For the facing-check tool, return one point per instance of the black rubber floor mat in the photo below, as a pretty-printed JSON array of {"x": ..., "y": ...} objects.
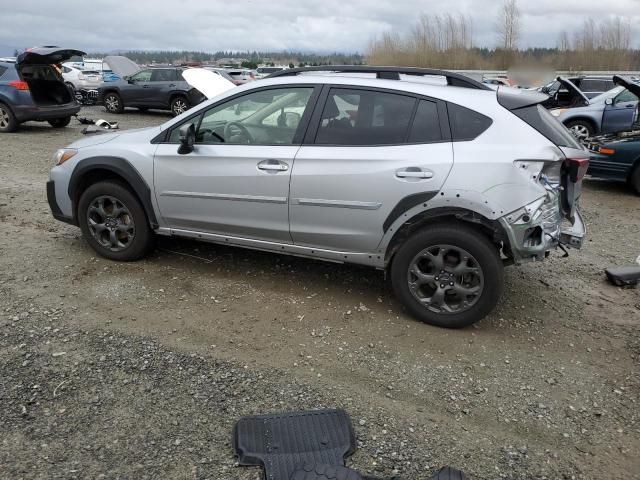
[
  {"x": 283, "y": 443},
  {"x": 325, "y": 472}
]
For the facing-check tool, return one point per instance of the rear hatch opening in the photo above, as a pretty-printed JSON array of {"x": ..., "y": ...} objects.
[{"x": 46, "y": 85}]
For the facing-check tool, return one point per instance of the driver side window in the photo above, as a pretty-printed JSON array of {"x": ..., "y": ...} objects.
[
  {"x": 266, "y": 117},
  {"x": 625, "y": 96},
  {"x": 143, "y": 76}
]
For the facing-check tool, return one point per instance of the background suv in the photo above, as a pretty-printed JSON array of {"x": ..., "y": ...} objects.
[
  {"x": 430, "y": 175},
  {"x": 32, "y": 89},
  {"x": 159, "y": 88}
]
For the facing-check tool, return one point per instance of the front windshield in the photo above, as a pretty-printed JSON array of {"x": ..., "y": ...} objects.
[{"x": 609, "y": 94}]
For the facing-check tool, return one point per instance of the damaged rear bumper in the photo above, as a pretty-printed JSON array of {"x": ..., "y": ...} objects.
[{"x": 536, "y": 229}]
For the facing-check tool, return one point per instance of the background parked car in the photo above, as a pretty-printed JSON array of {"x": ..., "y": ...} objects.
[
  {"x": 589, "y": 86},
  {"x": 222, "y": 72},
  {"x": 240, "y": 77},
  {"x": 263, "y": 72},
  {"x": 612, "y": 111},
  {"x": 79, "y": 78},
  {"x": 159, "y": 88},
  {"x": 33, "y": 90},
  {"x": 616, "y": 157}
]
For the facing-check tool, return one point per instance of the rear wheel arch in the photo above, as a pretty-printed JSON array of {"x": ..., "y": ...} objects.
[
  {"x": 96, "y": 169},
  {"x": 490, "y": 229},
  {"x": 586, "y": 120}
]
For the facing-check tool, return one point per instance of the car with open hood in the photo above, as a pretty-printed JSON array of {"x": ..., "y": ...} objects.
[
  {"x": 161, "y": 88},
  {"x": 33, "y": 89},
  {"x": 612, "y": 111},
  {"x": 429, "y": 175}
]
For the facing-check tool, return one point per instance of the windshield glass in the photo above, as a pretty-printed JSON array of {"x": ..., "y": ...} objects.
[{"x": 603, "y": 96}]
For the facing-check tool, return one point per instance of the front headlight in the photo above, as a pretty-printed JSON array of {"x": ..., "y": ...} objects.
[
  {"x": 557, "y": 112},
  {"x": 63, "y": 155}
]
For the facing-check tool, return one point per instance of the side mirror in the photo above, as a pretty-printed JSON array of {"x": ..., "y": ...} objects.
[
  {"x": 608, "y": 101},
  {"x": 187, "y": 139},
  {"x": 130, "y": 80},
  {"x": 545, "y": 89}
]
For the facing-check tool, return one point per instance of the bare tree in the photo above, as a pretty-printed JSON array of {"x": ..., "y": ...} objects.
[
  {"x": 564, "y": 45},
  {"x": 508, "y": 26}
]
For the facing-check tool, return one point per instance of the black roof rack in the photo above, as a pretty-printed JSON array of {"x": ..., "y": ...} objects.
[{"x": 388, "y": 73}]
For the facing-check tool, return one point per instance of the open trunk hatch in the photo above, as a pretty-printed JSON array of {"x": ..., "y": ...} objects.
[
  {"x": 47, "y": 55},
  {"x": 627, "y": 83}
]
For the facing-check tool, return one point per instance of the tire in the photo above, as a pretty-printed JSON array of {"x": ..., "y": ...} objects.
[
  {"x": 581, "y": 129},
  {"x": 8, "y": 122},
  {"x": 60, "y": 122},
  {"x": 634, "y": 179},
  {"x": 125, "y": 236},
  {"x": 425, "y": 280},
  {"x": 113, "y": 103},
  {"x": 179, "y": 105},
  {"x": 70, "y": 86},
  {"x": 448, "y": 473}
]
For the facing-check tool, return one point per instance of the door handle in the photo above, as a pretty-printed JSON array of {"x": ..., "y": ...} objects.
[
  {"x": 413, "y": 172},
  {"x": 172, "y": 84},
  {"x": 273, "y": 166}
]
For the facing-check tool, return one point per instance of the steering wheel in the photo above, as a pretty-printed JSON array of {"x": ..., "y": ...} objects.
[{"x": 236, "y": 128}]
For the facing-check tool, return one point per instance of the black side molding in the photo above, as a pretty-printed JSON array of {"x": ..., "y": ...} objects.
[
  {"x": 407, "y": 203},
  {"x": 120, "y": 167}
]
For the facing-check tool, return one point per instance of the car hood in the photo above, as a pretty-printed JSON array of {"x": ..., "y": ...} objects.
[
  {"x": 47, "y": 55},
  {"x": 107, "y": 136},
  {"x": 209, "y": 83},
  {"x": 627, "y": 83},
  {"x": 569, "y": 85},
  {"x": 121, "y": 66}
]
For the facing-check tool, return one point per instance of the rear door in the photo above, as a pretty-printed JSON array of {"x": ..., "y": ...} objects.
[{"x": 368, "y": 156}]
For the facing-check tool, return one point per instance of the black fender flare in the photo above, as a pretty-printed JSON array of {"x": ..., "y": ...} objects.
[{"x": 120, "y": 167}]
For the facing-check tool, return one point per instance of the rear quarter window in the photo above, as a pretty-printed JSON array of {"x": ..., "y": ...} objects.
[
  {"x": 540, "y": 119},
  {"x": 466, "y": 124},
  {"x": 2, "y": 71}
]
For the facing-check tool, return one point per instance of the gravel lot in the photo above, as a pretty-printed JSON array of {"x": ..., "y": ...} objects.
[{"x": 127, "y": 371}]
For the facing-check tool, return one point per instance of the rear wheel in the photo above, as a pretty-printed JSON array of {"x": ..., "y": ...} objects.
[
  {"x": 448, "y": 275},
  {"x": 113, "y": 103},
  {"x": 179, "y": 105},
  {"x": 8, "y": 122},
  {"x": 634, "y": 179},
  {"x": 113, "y": 222},
  {"x": 60, "y": 122},
  {"x": 581, "y": 129}
]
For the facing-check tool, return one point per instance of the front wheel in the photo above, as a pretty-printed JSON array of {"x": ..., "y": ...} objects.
[
  {"x": 179, "y": 105},
  {"x": 113, "y": 222},
  {"x": 113, "y": 103},
  {"x": 448, "y": 275},
  {"x": 60, "y": 122},
  {"x": 581, "y": 129}
]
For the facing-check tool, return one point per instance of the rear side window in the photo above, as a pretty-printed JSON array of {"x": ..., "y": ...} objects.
[
  {"x": 466, "y": 124},
  {"x": 363, "y": 117},
  {"x": 539, "y": 118},
  {"x": 588, "y": 85},
  {"x": 163, "y": 75},
  {"x": 2, "y": 70},
  {"x": 426, "y": 124}
]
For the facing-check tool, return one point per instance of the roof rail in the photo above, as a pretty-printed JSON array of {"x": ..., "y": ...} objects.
[{"x": 388, "y": 73}]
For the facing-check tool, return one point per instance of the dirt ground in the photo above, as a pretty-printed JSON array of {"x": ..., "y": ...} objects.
[{"x": 126, "y": 371}]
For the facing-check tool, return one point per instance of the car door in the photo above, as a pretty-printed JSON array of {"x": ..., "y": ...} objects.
[
  {"x": 620, "y": 113},
  {"x": 236, "y": 180},
  {"x": 132, "y": 90},
  {"x": 162, "y": 82},
  {"x": 369, "y": 155}
]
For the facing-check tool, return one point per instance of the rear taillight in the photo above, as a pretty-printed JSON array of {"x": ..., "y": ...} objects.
[
  {"x": 576, "y": 168},
  {"x": 81, "y": 76},
  {"x": 19, "y": 85}
]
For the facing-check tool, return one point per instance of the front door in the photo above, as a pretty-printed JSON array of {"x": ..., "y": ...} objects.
[
  {"x": 134, "y": 90},
  {"x": 236, "y": 181},
  {"x": 375, "y": 155},
  {"x": 621, "y": 114}
]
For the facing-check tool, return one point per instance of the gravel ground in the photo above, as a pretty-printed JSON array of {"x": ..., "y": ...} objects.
[{"x": 126, "y": 371}]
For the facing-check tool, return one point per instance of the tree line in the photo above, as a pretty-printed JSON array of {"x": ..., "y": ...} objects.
[{"x": 446, "y": 41}]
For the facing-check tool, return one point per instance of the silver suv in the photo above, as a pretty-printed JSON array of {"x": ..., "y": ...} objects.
[{"x": 428, "y": 175}]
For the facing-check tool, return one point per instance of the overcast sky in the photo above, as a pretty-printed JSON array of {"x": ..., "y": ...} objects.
[{"x": 315, "y": 25}]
